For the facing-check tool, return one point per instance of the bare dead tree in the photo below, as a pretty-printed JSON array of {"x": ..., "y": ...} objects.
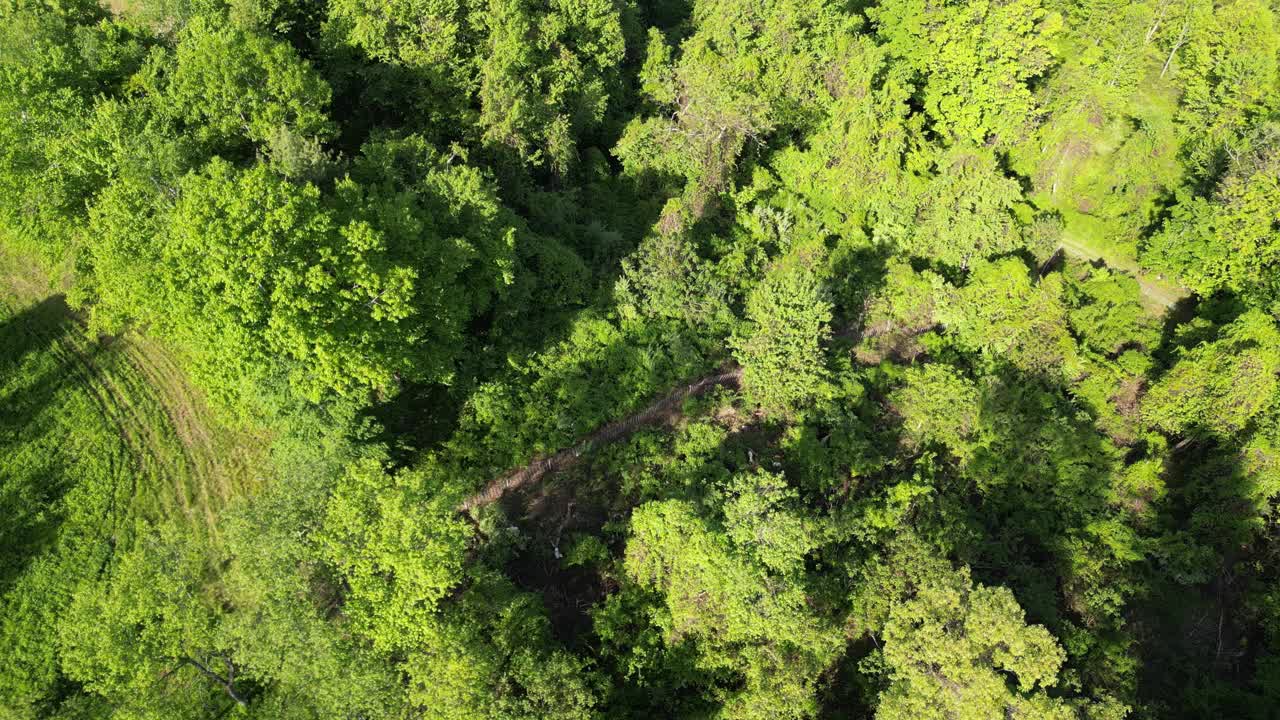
[
  {"x": 1182, "y": 39},
  {"x": 226, "y": 683}
]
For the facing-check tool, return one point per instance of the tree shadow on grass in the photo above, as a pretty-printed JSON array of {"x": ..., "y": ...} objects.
[
  {"x": 32, "y": 480},
  {"x": 33, "y": 329}
]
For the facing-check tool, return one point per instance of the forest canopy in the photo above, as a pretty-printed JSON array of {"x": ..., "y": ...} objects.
[{"x": 576, "y": 359}]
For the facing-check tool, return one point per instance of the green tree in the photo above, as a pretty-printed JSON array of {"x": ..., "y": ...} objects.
[
  {"x": 781, "y": 344},
  {"x": 357, "y": 290},
  {"x": 746, "y": 620},
  {"x": 968, "y": 211},
  {"x": 664, "y": 278},
  {"x": 955, "y": 648},
  {"x": 1229, "y": 73},
  {"x": 230, "y": 86},
  {"x": 548, "y": 76},
  {"x": 1107, "y": 313},
  {"x": 855, "y": 164},
  {"x": 438, "y": 40},
  {"x": 1229, "y": 242},
  {"x": 531, "y": 77},
  {"x": 491, "y": 655},
  {"x": 146, "y": 639},
  {"x": 54, "y": 61},
  {"x": 285, "y": 629},
  {"x": 1105, "y": 152},
  {"x": 1002, "y": 313},
  {"x": 763, "y": 516},
  {"x": 974, "y": 61},
  {"x": 899, "y": 313},
  {"x": 727, "y": 88},
  {"x": 1217, "y": 387},
  {"x": 938, "y": 404},
  {"x": 399, "y": 546}
]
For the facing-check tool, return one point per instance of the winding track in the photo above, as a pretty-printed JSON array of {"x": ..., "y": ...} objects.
[
  {"x": 1159, "y": 295},
  {"x": 664, "y": 410}
]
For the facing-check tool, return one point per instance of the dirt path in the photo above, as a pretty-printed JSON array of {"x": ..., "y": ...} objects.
[
  {"x": 664, "y": 410},
  {"x": 1160, "y": 295}
]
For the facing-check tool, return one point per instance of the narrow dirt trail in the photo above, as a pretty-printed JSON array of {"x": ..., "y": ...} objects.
[
  {"x": 1159, "y": 294},
  {"x": 664, "y": 410}
]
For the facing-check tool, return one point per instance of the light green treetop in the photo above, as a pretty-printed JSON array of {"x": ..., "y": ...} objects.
[
  {"x": 1004, "y": 314},
  {"x": 744, "y": 618},
  {"x": 938, "y": 404},
  {"x": 780, "y": 345},
  {"x": 1217, "y": 387},
  {"x": 968, "y": 211},
  {"x": 953, "y": 648},
  {"x": 1231, "y": 241},
  {"x": 232, "y": 85},
  {"x": 975, "y": 59}
]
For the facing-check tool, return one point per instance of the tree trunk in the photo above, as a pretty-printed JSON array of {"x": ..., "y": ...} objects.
[{"x": 1182, "y": 39}]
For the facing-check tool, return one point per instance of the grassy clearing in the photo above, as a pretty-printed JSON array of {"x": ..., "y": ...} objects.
[
  {"x": 1088, "y": 238},
  {"x": 65, "y": 458},
  {"x": 76, "y": 472},
  {"x": 118, "y": 7},
  {"x": 60, "y": 386},
  {"x": 99, "y": 439}
]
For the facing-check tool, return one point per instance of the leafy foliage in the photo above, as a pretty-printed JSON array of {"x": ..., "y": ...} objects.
[
  {"x": 953, "y": 648},
  {"x": 1229, "y": 243},
  {"x": 1218, "y": 387},
  {"x": 787, "y": 320},
  {"x": 744, "y": 618},
  {"x": 976, "y": 59},
  {"x": 596, "y": 359}
]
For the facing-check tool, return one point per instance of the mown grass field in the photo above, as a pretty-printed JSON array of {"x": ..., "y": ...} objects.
[
  {"x": 114, "y": 411},
  {"x": 99, "y": 438}
]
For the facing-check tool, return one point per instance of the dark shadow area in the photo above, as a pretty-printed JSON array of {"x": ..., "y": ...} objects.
[
  {"x": 1042, "y": 477},
  {"x": 1199, "y": 634},
  {"x": 669, "y": 16},
  {"x": 856, "y": 276},
  {"x": 373, "y": 96},
  {"x": 1178, "y": 333},
  {"x": 32, "y": 330},
  {"x": 420, "y": 416},
  {"x": 551, "y": 516},
  {"x": 595, "y": 500},
  {"x": 570, "y": 249},
  {"x": 31, "y": 485}
]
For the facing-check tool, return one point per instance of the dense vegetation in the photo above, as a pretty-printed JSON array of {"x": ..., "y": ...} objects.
[{"x": 610, "y": 359}]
